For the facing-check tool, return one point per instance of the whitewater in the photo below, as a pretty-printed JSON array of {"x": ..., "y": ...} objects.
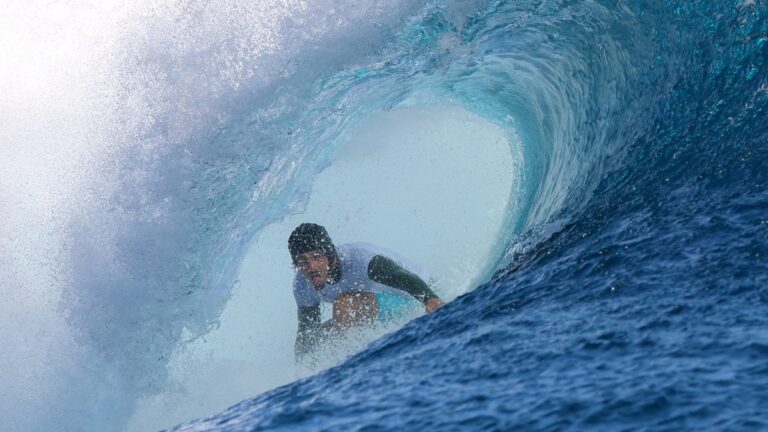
[{"x": 585, "y": 181}]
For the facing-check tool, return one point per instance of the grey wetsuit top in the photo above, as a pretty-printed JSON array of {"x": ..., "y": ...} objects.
[{"x": 354, "y": 259}]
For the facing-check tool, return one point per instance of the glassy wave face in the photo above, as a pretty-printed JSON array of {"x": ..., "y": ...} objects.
[{"x": 632, "y": 291}]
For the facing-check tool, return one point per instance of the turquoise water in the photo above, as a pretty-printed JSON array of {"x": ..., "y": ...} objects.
[{"x": 393, "y": 307}]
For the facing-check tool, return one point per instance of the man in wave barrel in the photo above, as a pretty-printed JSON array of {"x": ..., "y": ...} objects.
[{"x": 354, "y": 277}]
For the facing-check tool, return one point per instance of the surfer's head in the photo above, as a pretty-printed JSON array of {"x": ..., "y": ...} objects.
[{"x": 312, "y": 252}]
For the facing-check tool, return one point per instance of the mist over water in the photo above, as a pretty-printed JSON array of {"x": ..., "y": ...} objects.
[{"x": 391, "y": 184}]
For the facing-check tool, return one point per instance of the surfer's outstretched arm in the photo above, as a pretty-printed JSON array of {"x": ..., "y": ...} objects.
[{"x": 385, "y": 271}]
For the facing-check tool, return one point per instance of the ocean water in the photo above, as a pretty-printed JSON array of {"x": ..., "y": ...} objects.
[{"x": 586, "y": 181}]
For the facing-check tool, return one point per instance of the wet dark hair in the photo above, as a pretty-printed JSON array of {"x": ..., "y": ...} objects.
[{"x": 309, "y": 237}]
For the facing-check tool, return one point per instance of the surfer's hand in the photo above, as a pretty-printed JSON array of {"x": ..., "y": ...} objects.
[{"x": 433, "y": 304}]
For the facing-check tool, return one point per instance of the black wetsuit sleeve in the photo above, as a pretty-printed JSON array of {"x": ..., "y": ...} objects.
[
  {"x": 308, "y": 333},
  {"x": 385, "y": 271}
]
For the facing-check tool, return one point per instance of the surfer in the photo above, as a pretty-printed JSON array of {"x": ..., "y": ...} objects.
[{"x": 353, "y": 277}]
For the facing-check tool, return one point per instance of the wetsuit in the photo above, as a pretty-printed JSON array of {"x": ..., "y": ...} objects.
[{"x": 360, "y": 268}]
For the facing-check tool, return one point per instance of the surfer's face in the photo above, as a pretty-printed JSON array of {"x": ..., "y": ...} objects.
[{"x": 315, "y": 267}]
